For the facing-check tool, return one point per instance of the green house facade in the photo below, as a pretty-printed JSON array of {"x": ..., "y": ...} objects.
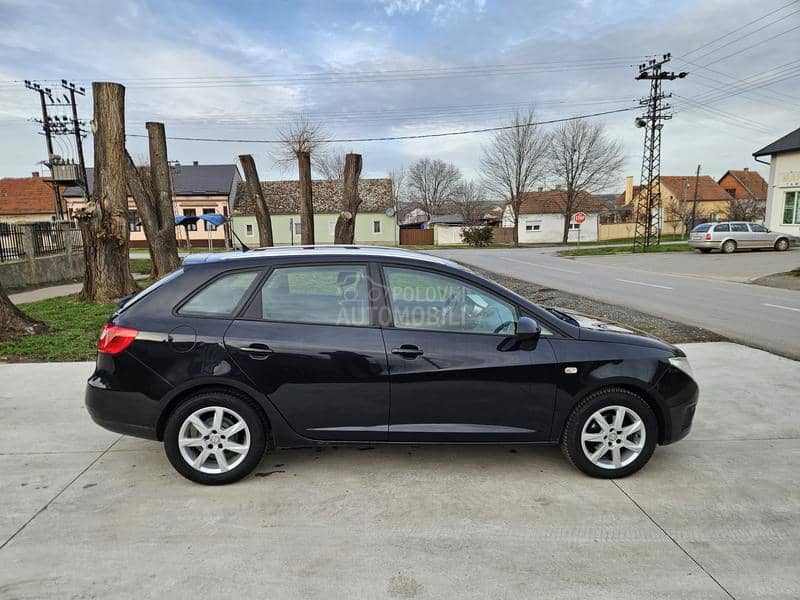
[{"x": 376, "y": 223}]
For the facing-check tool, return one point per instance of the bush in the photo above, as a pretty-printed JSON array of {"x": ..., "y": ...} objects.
[{"x": 477, "y": 236}]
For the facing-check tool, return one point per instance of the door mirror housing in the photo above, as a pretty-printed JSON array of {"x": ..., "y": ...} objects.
[{"x": 525, "y": 338}]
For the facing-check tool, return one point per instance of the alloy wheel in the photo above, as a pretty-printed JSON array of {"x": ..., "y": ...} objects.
[
  {"x": 214, "y": 439},
  {"x": 613, "y": 437}
]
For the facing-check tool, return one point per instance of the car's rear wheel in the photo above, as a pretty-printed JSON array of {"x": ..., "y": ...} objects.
[
  {"x": 611, "y": 433},
  {"x": 215, "y": 437},
  {"x": 728, "y": 247},
  {"x": 781, "y": 244}
]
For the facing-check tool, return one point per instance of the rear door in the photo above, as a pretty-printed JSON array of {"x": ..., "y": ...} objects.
[
  {"x": 451, "y": 379},
  {"x": 308, "y": 342},
  {"x": 743, "y": 236}
]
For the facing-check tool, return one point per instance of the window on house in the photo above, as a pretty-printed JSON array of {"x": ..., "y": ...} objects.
[
  {"x": 530, "y": 226},
  {"x": 133, "y": 221},
  {"x": 297, "y": 228},
  {"x": 331, "y": 227},
  {"x": 248, "y": 230},
  {"x": 731, "y": 191},
  {"x": 713, "y": 216},
  {"x": 190, "y": 212},
  {"x": 791, "y": 208},
  {"x": 376, "y": 227},
  {"x": 206, "y": 225},
  {"x": 574, "y": 225}
]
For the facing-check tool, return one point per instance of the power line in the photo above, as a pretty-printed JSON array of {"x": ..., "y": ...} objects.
[
  {"x": 758, "y": 43},
  {"x": 738, "y": 29},
  {"x": 402, "y": 137}
]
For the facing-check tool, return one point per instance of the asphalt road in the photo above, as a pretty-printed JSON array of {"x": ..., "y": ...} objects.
[
  {"x": 91, "y": 514},
  {"x": 766, "y": 318}
]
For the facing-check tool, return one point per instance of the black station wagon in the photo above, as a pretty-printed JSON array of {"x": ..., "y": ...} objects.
[{"x": 238, "y": 353}]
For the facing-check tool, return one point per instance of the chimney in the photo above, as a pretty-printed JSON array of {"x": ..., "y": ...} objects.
[
  {"x": 629, "y": 189},
  {"x": 195, "y": 163},
  {"x": 747, "y": 169},
  {"x": 35, "y": 174},
  {"x": 540, "y": 189}
]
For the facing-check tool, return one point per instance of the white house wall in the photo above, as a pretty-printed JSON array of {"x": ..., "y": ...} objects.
[
  {"x": 551, "y": 229},
  {"x": 784, "y": 176}
]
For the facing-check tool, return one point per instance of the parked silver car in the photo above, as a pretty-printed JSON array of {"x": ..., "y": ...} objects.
[{"x": 730, "y": 236}]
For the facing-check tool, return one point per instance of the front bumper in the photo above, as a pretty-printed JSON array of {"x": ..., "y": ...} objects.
[{"x": 130, "y": 413}]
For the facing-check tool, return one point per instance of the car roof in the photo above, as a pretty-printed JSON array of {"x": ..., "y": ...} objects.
[{"x": 266, "y": 255}]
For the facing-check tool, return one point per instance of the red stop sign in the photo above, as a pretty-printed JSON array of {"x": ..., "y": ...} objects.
[{"x": 579, "y": 217}]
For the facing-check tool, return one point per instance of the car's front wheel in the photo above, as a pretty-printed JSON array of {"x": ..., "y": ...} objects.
[
  {"x": 215, "y": 437},
  {"x": 782, "y": 244},
  {"x": 611, "y": 433}
]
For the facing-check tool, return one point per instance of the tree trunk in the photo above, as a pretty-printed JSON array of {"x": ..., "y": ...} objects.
[
  {"x": 306, "y": 199},
  {"x": 515, "y": 206},
  {"x": 153, "y": 200},
  {"x": 346, "y": 223},
  {"x": 13, "y": 322},
  {"x": 104, "y": 220},
  {"x": 263, "y": 218}
]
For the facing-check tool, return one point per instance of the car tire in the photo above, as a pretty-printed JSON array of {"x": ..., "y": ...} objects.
[
  {"x": 781, "y": 244},
  {"x": 728, "y": 247},
  {"x": 584, "y": 438},
  {"x": 215, "y": 437},
  {"x": 705, "y": 250}
]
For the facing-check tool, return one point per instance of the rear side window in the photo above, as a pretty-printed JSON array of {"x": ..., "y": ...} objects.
[
  {"x": 324, "y": 294},
  {"x": 724, "y": 228},
  {"x": 739, "y": 227},
  {"x": 221, "y": 296},
  {"x": 702, "y": 228}
]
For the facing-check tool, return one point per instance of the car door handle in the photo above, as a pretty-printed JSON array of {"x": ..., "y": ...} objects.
[
  {"x": 408, "y": 350},
  {"x": 257, "y": 351}
]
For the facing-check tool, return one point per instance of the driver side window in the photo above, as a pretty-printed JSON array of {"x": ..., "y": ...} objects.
[{"x": 423, "y": 300}]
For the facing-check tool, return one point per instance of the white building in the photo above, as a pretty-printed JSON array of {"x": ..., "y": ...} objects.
[
  {"x": 541, "y": 218},
  {"x": 783, "y": 197}
]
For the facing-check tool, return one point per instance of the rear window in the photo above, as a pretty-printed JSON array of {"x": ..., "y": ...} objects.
[
  {"x": 150, "y": 289},
  {"x": 702, "y": 228},
  {"x": 724, "y": 227},
  {"x": 221, "y": 296}
]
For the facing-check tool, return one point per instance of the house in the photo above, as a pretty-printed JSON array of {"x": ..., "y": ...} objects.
[
  {"x": 678, "y": 195},
  {"x": 414, "y": 218},
  {"x": 749, "y": 192},
  {"x": 197, "y": 190},
  {"x": 375, "y": 221},
  {"x": 26, "y": 199},
  {"x": 783, "y": 197},
  {"x": 541, "y": 218}
]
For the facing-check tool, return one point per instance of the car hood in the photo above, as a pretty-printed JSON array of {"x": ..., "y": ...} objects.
[{"x": 593, "y": 328}]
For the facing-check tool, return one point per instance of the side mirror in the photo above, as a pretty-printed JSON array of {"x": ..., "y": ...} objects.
[{"x": 526, "y": 337}]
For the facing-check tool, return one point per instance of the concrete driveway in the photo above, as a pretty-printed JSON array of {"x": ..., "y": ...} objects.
[
  {"x": 89, "y": 514},
  {"x": 742, "y": 266}
]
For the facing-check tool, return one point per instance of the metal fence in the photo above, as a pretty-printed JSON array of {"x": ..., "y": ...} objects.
[
  {"x": 11, "y": 245},
  {"x": 75, "y": 237},
  {"x": 48, "y": 238}
]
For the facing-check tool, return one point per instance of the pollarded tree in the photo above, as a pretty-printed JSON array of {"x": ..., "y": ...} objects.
[
  {"x": 14, "y": 322},
  {"x": 263, "y": 216},
  {"x": 345, "y": 231}
]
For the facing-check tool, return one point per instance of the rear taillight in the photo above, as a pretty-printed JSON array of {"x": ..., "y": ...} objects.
[
  {"x": 708, "y": 237},
  {"x": 114, "y": 339}
]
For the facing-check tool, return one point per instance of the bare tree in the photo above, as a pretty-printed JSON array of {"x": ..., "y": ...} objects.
[
  {"x": 104, "y": 219},
  {"x": 745, "y": 209},
  {"x": 585, "y": 161},
  {"x": 263, "y": 217},
  {"x": 13, "y": 322},
  {"x": 432, "y": 183},
  {"x": 329, "y": 164},
  {"x": 681, "y": 211},
  {"x": 300, "y": 139},
  {"x": 151, "y": 189},
  {"x": 346, "y": 223},
  {"x": 398, "y": 177},
  {"x": 514, "y": 161},
  {"x": 469, "y": 201}
]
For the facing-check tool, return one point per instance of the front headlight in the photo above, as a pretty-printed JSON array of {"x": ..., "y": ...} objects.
[{"x": 682, "y": 363}]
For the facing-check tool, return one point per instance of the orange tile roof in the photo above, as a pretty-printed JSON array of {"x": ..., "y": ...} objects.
[
  {"x": 752, "y": 181},
  {"x": 25, "y": 196},
  {"x": 551, "y": 201},
  {"x": 707, "y": 188}
]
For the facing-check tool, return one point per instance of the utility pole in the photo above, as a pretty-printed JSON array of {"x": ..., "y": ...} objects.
[
  {"x": 76, "y": 126},
  {"x": 44, "y": 94},
  {"x": 694, "y": 201},
  {"x": 647, "y": 231}
]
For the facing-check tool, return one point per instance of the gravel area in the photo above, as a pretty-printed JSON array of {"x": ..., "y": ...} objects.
[{"x": 670, "y": 331}]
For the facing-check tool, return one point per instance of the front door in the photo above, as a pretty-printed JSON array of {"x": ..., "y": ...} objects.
[
  {"x": 307, "y": 342},
  {"x": 451, "y": 379}
]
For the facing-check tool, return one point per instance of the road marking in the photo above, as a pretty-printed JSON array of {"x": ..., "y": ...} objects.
[
  {"x": 540, "y": 266},
  {"x": 779, "y": 306},
  {"x": 663, "y": 287}
]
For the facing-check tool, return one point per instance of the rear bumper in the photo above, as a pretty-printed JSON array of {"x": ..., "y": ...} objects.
[
  {"x": 130, "y": 413},
  {"x": 705, "y": 244}
]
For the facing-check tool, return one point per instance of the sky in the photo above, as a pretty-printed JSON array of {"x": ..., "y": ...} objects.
[{"x": 381, "y": 68}]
